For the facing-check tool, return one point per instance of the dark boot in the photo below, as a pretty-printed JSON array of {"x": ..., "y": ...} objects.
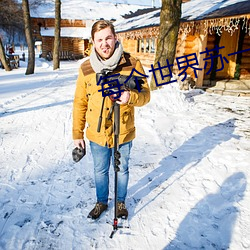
[
  {"x": 122, "y": 211},
  {"x": 97, "y": 210}
]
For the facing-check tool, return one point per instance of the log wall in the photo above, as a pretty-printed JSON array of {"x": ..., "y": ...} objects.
[
  {"x": 50, "y": 22},
  {"x": 131, "y": 46},
  {"x": 245, "y": 60},
  {"x": 73, "y": 45},
  {"x": 210, "y": 46}
]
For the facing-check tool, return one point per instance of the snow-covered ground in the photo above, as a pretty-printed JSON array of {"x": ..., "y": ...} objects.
[{"x": 189, "y": 170}]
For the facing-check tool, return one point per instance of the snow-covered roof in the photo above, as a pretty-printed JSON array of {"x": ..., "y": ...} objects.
[
  {"x": 79, "y": 32},
  {"x": 192, "y": 10},
  {"x": 145, "y": 20},
  {"x": 85, "y": 10},
  {"x": 202, "y": 9}
]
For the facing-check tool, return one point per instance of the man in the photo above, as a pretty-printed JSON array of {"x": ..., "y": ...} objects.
[{"x": 107, "y": 56}]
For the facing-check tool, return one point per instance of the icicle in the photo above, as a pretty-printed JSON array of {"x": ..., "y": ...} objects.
[
  {"x": 219, "y": 30},
  {"x": 235, "y": 25},
  {"x": 205, "y": 29},
  {"x": 244, "y": 19},
  {"x": 211, "y": 26}
]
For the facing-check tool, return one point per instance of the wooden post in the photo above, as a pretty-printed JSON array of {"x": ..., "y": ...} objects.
[
  {"x": 140, "y": 41},
  {"x": 144, "y": 45},
  {"x": 202, "y": 44},
  {"x": 230, "y": 42}
]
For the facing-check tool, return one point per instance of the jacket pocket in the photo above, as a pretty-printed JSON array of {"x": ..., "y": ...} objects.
[{"x": 127, "y": 120}]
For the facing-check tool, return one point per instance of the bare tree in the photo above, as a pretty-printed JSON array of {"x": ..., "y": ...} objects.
[
  {"x": 11, "y": 16},
  {"x": 56, "y": 59},
  {"x": 168, "y": 34},
  {"x": 28, "y": 33},
  {"x": 3, "y": 57},
  {"x": 11, "y": 24}
]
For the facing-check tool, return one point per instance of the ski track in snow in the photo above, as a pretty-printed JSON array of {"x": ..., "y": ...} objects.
[{"x": 180, "y": 181}]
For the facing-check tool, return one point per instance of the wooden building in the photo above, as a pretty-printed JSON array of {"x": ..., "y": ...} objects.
[
  {"x": 75, "y": 36},
  {"x": 226, "y": 26},
  {"x": 77, "y": 19}
]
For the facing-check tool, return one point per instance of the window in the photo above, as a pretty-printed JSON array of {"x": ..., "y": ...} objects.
[{"x": 146, "y": 45}]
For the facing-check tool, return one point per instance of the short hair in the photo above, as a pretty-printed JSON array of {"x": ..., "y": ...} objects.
[{"x": 101, "y": 24}]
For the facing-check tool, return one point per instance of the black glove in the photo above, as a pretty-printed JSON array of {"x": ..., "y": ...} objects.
[{"x": 78, "y": 153}]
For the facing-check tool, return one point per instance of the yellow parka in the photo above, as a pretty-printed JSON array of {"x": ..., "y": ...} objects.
[{"x": 88, "y": 101}]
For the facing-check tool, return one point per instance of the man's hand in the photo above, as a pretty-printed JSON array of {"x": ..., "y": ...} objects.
[
  {"x": 79, "y": 143},
  {"x": 79, "y": 151},
  {"x": 125, "y": 95}
]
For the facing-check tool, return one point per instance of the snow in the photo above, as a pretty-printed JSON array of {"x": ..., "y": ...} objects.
[
  {"x": 145, "y": 20},
  {"x": 196, "y": 9},
  {"x": 86, "y": 10},
  {"x": 189, "y": 169},
  {"x": 84, "y": 33},
  {"x": 192, "y": 10},
  {"x": 156, "y": 3}
]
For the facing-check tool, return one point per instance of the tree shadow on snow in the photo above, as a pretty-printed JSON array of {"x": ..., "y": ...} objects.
[
  {"x": 210, "y": 223},
  {"x": 189, "y": 154},
  {"x": 23, "y": 110}
]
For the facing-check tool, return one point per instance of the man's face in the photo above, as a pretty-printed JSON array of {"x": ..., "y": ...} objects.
[{"x": 104, "y": 42}]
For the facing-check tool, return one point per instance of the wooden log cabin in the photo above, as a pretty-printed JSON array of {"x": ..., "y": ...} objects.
[
  {"x": 227, "y": 27},
  {"x": 77, "y": 19},
  {"x": 75, "y": 36}
]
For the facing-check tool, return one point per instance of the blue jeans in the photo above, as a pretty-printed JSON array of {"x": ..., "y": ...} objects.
[{"x": 102, "y": 158}]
